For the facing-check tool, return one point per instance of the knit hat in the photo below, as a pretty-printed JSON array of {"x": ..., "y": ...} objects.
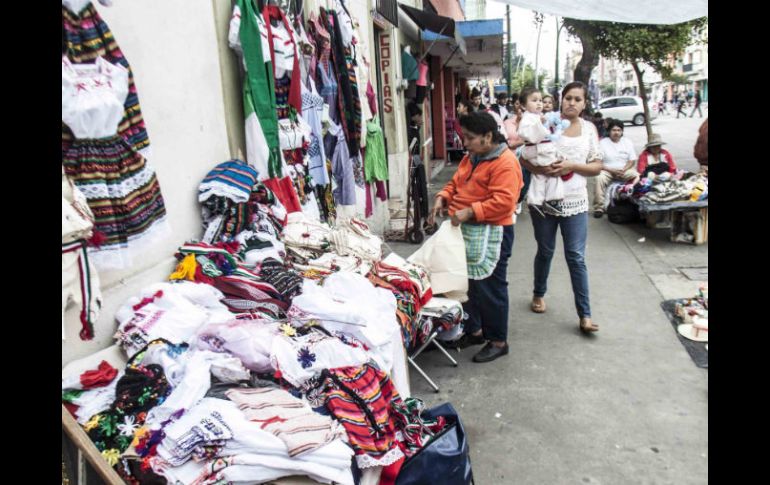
[{"x": 233, "y": 179}]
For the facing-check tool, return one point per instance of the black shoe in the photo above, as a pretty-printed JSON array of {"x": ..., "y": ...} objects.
[
  {"x": 598, "y": 214},
  {"x": 490, "y": 352},
  {"x": 467, "y": 340}
]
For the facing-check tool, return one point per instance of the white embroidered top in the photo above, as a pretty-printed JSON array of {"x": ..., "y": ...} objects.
[
  {"x": 578, "y": 149},
  {"x": 92, "y": 97}
]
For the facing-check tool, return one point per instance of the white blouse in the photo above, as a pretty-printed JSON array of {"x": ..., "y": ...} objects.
[
  {"x": 578, "y": 149},
  {"x": 92, "y": 97}
]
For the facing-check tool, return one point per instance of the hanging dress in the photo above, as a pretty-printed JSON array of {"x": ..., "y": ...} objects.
[
  {"x": 85, "y": 36},
  {"x": 120, "y": 186}
]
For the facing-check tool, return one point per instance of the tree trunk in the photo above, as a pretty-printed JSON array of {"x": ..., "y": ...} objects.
[
  {"x": 643, "y": 95},
  {"x": 587, "y": 64}
]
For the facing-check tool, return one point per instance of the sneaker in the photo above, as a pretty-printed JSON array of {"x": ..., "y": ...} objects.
[
  {"x": 467, "y": 340},
  {"x": 552, "y": 207},
  {"x": 490, "y": 352},
  {"x": 598, "y": 214}
]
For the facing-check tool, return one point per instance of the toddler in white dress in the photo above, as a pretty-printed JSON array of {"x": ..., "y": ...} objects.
[{"x": 539, "y": 131}]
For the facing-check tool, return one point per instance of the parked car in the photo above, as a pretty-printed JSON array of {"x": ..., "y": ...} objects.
[{"x": 625, "y": 108}]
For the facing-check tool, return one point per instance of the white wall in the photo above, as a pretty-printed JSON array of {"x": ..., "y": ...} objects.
[{"x": 172, "y": 47}]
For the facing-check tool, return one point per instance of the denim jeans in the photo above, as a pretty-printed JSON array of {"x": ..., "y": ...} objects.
[
  {"x": 487, "y": 305},
  {"x": 574, "y": 231}
]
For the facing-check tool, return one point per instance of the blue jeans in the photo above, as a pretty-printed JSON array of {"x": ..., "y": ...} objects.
[
  {"x": 487, "y": 305},
  {"x": 574, "y": 231}
]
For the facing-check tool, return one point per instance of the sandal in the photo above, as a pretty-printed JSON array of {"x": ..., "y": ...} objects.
[
  {"x": 538, "y": 307},
  {"x": 587, "y": 326}
]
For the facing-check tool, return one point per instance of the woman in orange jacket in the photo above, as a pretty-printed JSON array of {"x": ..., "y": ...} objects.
[{"x": 481, "y": 198}]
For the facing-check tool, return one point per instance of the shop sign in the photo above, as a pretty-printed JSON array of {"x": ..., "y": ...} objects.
[{"x": 386, "y": 60}]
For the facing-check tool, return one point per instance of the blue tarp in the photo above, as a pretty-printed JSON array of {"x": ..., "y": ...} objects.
[{"x": 471, "y": 28}]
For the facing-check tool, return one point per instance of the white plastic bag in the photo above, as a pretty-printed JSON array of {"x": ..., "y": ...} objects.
[{"x": 443, "y": 255}]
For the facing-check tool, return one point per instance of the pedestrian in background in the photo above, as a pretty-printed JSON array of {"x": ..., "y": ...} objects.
[
  {"x": 680, "y": 107},
  {"x": 548, "y": 104},
  {"x": 476, "y": 104},
  {"x": 499, "y": 106},
  {"x": 697, "y": 105},
  {"x": 582, "y": 157}
]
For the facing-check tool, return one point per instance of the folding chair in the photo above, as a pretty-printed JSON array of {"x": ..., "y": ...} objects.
[{"x": 430, "y": 340}]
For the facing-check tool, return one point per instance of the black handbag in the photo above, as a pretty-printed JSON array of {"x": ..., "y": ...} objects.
[
  {"x": 444, "y": 459},
  {"x": 623, "y": 212}
]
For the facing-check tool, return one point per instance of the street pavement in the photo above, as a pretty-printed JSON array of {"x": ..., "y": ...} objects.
[{"x": 624, "y": 406}]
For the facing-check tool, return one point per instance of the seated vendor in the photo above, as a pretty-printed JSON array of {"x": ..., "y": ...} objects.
[{"x": 655, "y": 159}]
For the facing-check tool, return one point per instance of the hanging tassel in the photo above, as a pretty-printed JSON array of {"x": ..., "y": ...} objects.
[
  {"x": 185, "y": 270},
  {"x": 97, "y": 239}
]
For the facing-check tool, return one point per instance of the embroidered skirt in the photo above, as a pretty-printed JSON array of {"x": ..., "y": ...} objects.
[
  {"x": 122, "y": 192},
  {"x": 85, "y": 36}
]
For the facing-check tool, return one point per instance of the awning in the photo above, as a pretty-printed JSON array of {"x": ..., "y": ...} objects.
[
  {"x": 435, "y": 23},
  {"x": 483, "y": 57},
  {"x": 647, "y": 12}
]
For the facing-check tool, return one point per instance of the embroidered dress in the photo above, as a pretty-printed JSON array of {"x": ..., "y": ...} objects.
[
  {"x": 482, "y": 248},
  {"x": 85, "y": 37},
  {"x": 119, "y": 184}
]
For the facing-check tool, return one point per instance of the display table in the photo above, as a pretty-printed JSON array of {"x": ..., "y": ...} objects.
[{"x": 687, "y": 218}]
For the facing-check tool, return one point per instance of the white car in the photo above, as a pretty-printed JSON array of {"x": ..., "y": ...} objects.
[{"x": 625, "y": 108}]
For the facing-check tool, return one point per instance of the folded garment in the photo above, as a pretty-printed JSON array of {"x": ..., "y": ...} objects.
[
  {"x": 352, "y": 236},
  {"x": 287, "y": 417},
  {"x": 250, "y": 340},
  {"x": 239, "y": 451},
  {"x": 171, "y": 311},
  {"x": 302, "y": 357},
  {"x": 302, "y": 232}
]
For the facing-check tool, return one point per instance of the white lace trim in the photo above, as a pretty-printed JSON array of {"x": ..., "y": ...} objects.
[
  {"x": 214, "y": 188},
  {"x": 117, "y": 191},
  {"x": 392, "y": 456},
  {"x": 573, "y": 206},
  {"x": 121, "y": 256}
]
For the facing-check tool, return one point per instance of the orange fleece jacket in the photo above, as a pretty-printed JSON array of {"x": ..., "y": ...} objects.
[{"x": 492, "y": 191}]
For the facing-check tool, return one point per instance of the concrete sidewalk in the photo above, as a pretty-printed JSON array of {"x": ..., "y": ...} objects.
[{"x": 624, "y": 406}]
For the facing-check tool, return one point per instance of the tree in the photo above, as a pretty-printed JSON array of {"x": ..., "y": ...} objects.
[
  {"x": 636, "y": 44},
  {"x": 586, "y": 31},
  {"x": 525, "y": 77}
]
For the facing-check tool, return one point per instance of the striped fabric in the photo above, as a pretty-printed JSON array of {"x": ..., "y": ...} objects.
[
  {"x": 482, "y": 248},
  {"x": 233, "y": 179},
  {"x": 85, "y": 37},
  {"x": 361, "y": 399},
  {"x": 122, "y": 191}
]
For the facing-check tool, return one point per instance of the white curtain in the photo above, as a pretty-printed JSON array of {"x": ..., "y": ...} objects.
[{"x": 646, "y": 12}]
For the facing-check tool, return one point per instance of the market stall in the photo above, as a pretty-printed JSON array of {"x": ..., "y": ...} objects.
[
  {"x": 677, "y": 201},
  {"x": 279, "y": 344}
]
